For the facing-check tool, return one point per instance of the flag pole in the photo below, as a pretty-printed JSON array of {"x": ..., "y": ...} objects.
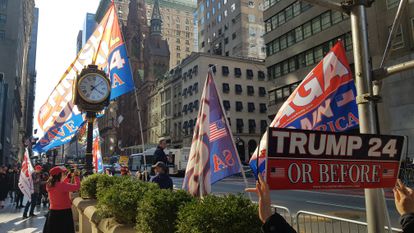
[
  {"x": 231, "y": 134},
  {"x": 136, "y": 99}
]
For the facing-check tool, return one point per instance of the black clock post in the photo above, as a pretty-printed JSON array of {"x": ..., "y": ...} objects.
[
  {"x": 92, "y": 92},
  {"x": 90, "y": 116}
]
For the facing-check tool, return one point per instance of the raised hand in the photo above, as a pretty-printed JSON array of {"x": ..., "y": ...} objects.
[
  {"x": 404, "y": 198},
  {"x": 263, "y": 192}
]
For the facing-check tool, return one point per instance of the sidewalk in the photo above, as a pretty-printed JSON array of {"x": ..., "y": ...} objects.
[{"x": 11, "y": 220}]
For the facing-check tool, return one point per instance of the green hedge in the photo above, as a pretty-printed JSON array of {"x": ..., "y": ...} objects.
[
  {"x": 121, "y": 199},
  {"x": 88, "y": 186},
  {"x": 219, "y": 215},
  {"x": 157, "y": 211}
]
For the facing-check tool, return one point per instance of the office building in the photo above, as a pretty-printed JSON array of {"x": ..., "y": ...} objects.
[
  {"x": 242, "y": 86},
  {"x": 231, "y": 28},
  {"x": 16, "y": 21},
  {"x": 178, "y": 26},
  {"x": 298, "y": 35}
]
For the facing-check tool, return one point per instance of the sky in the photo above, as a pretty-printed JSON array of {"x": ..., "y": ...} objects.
[{"x": 59, "y": 24}]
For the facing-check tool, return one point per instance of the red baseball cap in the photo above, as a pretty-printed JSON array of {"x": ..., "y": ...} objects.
[
  {"x": 56, "y": 170},
  {"x": 38, "y": 168}
]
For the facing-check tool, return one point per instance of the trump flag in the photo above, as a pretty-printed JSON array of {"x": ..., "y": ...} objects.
[
  {"x": 324, "y": 100},
  {"x": 25, "y": 179},
  {"x": 213, "y": 155},
  {"x": 58, "y": 118}
]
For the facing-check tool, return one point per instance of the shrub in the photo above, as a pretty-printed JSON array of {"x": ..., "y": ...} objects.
[
  {"x": 88, "y": 186},
  {"x": 104, "y": 183},
  {"x": 121, "y": 199},
  {"x": 219, "y": 215},
  {"x": 157, "y": 211}
]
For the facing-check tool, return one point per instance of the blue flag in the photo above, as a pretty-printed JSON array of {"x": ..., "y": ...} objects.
[
  {"x": 324, "y": 100},
  {"x": 58, "y": 118},
  {"x": 213, "y": 155}
]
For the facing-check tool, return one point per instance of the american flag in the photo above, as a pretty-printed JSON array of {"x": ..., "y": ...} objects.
[
  {"x": 277, "y": 172},
  {"x": 388, "y": 173},
  {"x": 217, "y": 130}
]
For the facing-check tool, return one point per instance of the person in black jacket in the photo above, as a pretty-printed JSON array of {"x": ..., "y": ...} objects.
[
  {"x": 404, "y": 202},
  {"x": 162, "y": 178},
  {"x": 272, "y": 223},
  {"x": 159, "y": 153}
]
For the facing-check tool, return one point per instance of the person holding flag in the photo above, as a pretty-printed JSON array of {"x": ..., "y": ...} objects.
[{"x": 36, "y": 182}]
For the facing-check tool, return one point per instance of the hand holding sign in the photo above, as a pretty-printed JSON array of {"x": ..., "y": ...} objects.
[
  {"x": 404, "y": 198},
  {"x": 262, "y": 190}
]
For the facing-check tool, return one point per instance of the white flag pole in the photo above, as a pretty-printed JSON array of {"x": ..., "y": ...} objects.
[{"x": 230, "y": 132}]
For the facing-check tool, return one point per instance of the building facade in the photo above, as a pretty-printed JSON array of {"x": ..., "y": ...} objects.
[
  {"x": 231, "y": 28},
  {"x": 298, "y": 35},
  {"x": 242, "y": 86},
  {"x": 16, "y": 20},
  {"x": 177, "y": 28}
]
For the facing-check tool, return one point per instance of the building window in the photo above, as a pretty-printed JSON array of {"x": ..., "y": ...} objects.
[
  {"x": 392, "y": 3},
  {"x": 202, "y": 44},
  {"x": 190, "y": 107},
  {"x": 233, "y": 36},
  {"x": 239, "y": 89},
  {"x": 225, "y": 70},
  {"x": 2, "y": 35},
  {"x": 178, "y": 40},
  {"x": 3, "y": 18},
  {"x": 195, "y": 87},
  {"x": 226, "y": 40},
  {"x": 398, "y": 41},
  {"x": 196, "y": 105},
  {"x": 250, "y": 107},
  {"x": 226, "y": 88},
  {"x": 226, "y": 105},
  {"x": 252, "y": 126},
  {"x": 3, "y": 4},
  {"x": 249, "y": 73},
  {"x": 195, "y": 70},
  {"x": 250, "y": 90},
  {"x": 239, "y": 106},
  {"x": 185, "y": 92},
  {"x": 285, "y": 15},
  {"x": 185, "y": 109},
  {"x": 263, "y": 126},
  {"x": 240, "y": 125},
  {"x": 178, "y": 48},
  {"x": 262, "y": 91},
  {"x": 263, "y": 108},
  {"x": 237, "y": 72},
  {"x": 233, "y": 7},
  {"x": 213, "y": 67},
  {"x": 261, "y": 75}
]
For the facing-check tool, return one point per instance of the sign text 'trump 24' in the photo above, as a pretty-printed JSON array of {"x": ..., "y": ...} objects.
[{"x": 302, "y": 159}]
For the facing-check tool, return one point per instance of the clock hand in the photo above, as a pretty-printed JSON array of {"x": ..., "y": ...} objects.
[{"x": 96, "y": 85}]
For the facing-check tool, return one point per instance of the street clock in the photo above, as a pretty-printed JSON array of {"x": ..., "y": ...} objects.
[{"x": 92, "y": 90}]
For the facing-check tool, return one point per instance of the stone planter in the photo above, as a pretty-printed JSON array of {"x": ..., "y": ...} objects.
[
  {"x": 81, "y": 204},
  {"x": 109, "y": 225},
  {"x": 91, "y": 214}
]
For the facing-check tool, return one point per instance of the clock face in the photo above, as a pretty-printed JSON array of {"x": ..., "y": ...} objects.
[{"x": 93, "y": 88}]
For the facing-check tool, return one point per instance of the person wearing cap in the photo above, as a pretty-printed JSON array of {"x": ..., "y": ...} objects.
[
  {"x": 161, "y": 177},
  {"x": 37, "y": 179},
  {"x": 59, "y": 218}
]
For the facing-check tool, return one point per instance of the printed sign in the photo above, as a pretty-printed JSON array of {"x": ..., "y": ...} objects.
[
  {"x": 123, "y": 160},
  {"x": 303, "y": 159}
]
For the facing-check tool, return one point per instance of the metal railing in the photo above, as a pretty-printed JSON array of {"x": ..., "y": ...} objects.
[
  {"x": 284, "y": 212},
  {"x": 321, "y": 223}
]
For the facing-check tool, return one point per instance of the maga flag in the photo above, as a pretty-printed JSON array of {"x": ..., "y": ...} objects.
[
  {"x": 213, "y": 155},
  {"x": 58, "y": 118},
  {"x": 324, "y": 100},
  {"x": 25, "y": 179}
]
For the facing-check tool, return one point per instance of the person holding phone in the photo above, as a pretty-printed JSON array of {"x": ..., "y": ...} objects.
[{"x": 59, "y": 218}]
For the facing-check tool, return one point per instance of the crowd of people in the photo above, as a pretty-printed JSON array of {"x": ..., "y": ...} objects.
[{"x": 52, "y": 187}]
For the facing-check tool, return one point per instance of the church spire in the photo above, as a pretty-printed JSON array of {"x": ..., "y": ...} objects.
[{"x": 156, "y": 21}]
